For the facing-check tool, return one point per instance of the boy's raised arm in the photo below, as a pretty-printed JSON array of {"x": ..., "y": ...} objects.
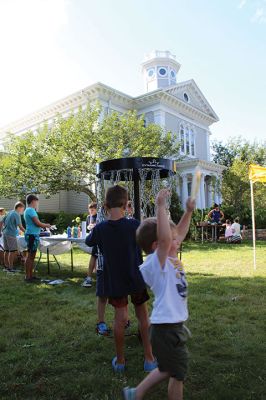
[
  {"x": 183, "y": 224},
  {"x": 164, "y": 235}
]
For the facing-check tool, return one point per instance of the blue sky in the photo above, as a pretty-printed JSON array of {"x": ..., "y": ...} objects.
[{"x": 51, "y": 48}]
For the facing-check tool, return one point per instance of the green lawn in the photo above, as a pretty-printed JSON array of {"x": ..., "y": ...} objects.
[{"x": 49, "y": 349}]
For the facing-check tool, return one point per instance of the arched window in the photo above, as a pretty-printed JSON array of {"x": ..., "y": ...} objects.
[
  {"x": 187, "y": 141},
  {"x": 192, "y": 143},
  {"x": 182, "y": 140}
]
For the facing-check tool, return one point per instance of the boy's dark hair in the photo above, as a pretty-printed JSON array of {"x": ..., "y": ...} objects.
[
  {"x": 116, "y": 196},
  {"x": 215, "y": 205},
  {"x": 93, "y": 205},
  {"x": 147, "y": 234},
  {"x": 30, "y": 198},
  {"x": 19, "y": 204},
  {"x": 236, "y": 220},
  {"x": 228, "y": 221}
]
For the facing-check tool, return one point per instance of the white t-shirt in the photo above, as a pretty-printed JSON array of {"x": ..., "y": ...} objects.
[
  {"x": 169, "y": 286},
  {"x": 236, "y": 228}
]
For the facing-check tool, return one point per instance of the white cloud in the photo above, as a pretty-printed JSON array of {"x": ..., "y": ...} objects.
[
  {"x": 259, "y": 16},
  {"x": 242, "y": 3},
  {"x": 34, "y": 65}
]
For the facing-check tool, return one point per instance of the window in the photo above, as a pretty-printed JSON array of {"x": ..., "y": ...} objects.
[
  {"x": 173, "y": 74},
  {"x": 162, "y": 71},
  {"x": 192, "y": 143},
  {"x": 189, "y": 186},
  {"x": 151, "y": 72},
  {"x": 186, "y": 98},
  {"x": 187, "y": 141},
  {"x": 182, "y": 140}
]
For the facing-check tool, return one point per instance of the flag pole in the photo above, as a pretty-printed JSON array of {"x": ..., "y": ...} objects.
[{"x": 253, "y": 224}]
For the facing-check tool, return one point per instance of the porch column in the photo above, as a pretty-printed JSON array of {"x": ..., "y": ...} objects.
[
  {"x": 202, "y": 192},
  {"x": 210, "y": 192},
  {"x": 184, "y": 190}
]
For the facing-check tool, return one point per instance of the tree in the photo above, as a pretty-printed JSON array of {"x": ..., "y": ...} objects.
[
  {"x": 236, "y": 154},
  {"x": 64, "y": 157}
]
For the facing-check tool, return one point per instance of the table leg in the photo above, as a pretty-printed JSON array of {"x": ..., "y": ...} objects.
[
  {"x": 72, "y": 264},
  {"x": 57, "y": 262},
  {"x": 48, "y": 261},
  {"x": 38, "y": 262},
  {"x": 202, "y": 234}
]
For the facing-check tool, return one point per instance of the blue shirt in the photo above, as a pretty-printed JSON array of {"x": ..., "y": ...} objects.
[
  {"x": 121, "y": 256},
  {"x": 11, "y": 222},
  {"x": 216, "y": 216},
  {"x": 31, "y": 227}
]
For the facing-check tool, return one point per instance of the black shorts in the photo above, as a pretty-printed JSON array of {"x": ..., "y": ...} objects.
[
  {"x": 137, "y": 299},
  {"x": 100, "y": 283},
  {"x": 94, "y": 251},
  {"x": 169, "y": 347}
]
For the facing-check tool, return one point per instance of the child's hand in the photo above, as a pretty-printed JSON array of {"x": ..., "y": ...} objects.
[
  {"x": 190, "y": 205},
  {"x": 162, "y": 196}
]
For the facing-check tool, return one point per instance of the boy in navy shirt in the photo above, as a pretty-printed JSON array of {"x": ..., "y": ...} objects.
[{"x": 116, "y": 240}]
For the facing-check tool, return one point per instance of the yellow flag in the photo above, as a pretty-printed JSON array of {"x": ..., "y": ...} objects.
[{"x": 257, "y": 173}]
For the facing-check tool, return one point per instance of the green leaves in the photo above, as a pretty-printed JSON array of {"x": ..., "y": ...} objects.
[
  {"x": 237, "y": 154},
  {"x": 64, "y": 157}
]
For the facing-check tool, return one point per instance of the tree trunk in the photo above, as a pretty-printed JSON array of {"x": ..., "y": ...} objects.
[{"x": 89, "y": 192}]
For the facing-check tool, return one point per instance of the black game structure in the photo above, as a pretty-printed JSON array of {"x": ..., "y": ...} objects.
[{"x": 165, "y": 166}]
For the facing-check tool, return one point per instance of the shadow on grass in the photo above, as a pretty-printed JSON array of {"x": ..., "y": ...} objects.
[{"x": 49, "y": 349}]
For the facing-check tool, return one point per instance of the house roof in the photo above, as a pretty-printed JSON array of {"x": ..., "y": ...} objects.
[{"x": 201, "y": 111}]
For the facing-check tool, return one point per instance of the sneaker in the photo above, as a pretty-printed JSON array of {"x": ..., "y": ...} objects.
[
  {"x": 150, "y": 365},
  {"x": 28, "y": 280},
  {"x": 118, "y": 367},
  {"x": 129, "y": 393},
  {"x": 87, "y": 282},
  {"x": 102, "y": 329},
  {"x": 34, "y": 279}
]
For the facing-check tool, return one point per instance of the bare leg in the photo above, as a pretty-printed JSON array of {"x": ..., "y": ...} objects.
[
  {"x": 29, "y": 264},
  {"x": 144, "y": 324},
  {"x": 119, "y": 332},
  {"x": 11, "y": 259},
  {"x": 6, "y": 259},
  {"x": 92, "y": 266},
  {"x": 151, "y": 380},
  {"x": 175, "y": 389},
  {"x": 101, "y": 305}
]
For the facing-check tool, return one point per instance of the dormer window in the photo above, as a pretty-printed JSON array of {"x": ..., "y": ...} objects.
[{"x": 186, "y": 98}]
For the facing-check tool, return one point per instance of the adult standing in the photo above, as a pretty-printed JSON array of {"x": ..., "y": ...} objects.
[{"x": 216, "y": 216}]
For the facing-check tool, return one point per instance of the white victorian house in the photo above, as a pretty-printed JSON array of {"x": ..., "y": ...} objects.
[{"x": 179, "y": 107}]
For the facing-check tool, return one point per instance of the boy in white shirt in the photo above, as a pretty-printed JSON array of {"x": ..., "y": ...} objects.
[{"x": 165, "y": 275}]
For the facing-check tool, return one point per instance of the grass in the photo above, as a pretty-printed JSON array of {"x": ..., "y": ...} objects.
[{"x": 49, "y": 349}]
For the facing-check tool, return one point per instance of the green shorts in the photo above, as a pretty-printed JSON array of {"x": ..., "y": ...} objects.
[{"x": 169, "y": 347}]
